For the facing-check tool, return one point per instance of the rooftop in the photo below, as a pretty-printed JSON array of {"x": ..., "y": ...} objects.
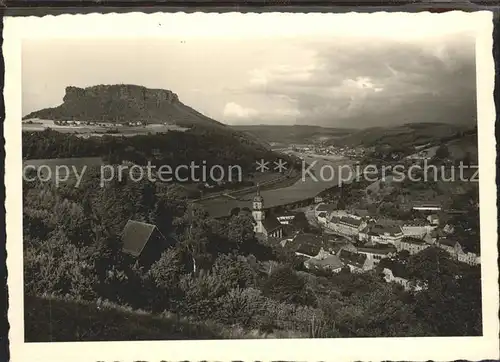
[
  {"x": 135, "y": 236},
  {"x": 327, "y": 207},
  {"x": 415, "y": 241},
  {"x": 354, "y": 259},
  {"x": 271, "y": 223},
  {"x": 331, "y": 261}
]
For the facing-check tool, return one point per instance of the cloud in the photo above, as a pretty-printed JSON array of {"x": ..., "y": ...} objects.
[
  {"x": 366, "y": 82},
  {"x": 235, "y": 111}
]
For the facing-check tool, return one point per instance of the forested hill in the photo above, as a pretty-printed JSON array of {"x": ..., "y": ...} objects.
[
  {"x": 124, "y": 102},
  {"x": 127, "y": 102}
]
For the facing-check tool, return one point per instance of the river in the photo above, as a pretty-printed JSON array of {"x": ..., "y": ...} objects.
[{"x": 305, "y": 188}]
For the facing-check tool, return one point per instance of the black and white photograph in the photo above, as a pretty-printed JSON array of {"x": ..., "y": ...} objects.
[{"x": 232, "y": 180}]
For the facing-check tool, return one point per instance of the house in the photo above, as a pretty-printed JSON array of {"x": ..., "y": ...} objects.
[
  {"x": 452, "y": 247},
  {"x": 322, "y": 217},
  {"x": 143, "y": 242},
  {"x": 304, "y": 244},
  {"x": 330, "y": 262},
  {"x": 327, "y": 208},
  {"x": 426, "y": 206},
  {"x": 266, "y": 225},
  {"x": 357, "y": 263},
  {"x": 318, "y": 199},
  {"x": 384, "y": 234},
  {"x": 363, "y": 213},
  {"x": 286, "y": 218},
  {"x": 449, "y": 229},
  {"x": 433, "y": 219},
  {"x": 417, "y": 228},
  {"x": 413, "y": 245},
  {"x": 348, "y": 225},
  {"x": 375, "y": 254},
  {"x": 469, "y": 258}
]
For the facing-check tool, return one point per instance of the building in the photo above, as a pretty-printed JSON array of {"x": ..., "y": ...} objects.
[
  {"x": 449, "y": 229},
  {"x": 286, "y": 218},
  {"x": 143, "y": 242},
  {"x": 330, "y": 262},
  {"x": 357, "y": 263},
  {"x": 417, "y": 229},
  {"x": 433, "y": 219},
  {"x": 426, "y": 206},
  {"x": 382, "y": 234},
  {"x": 304, "y": 244},
  {"x": 326, "y": 208},
  {"x": 375, "y": 254},
  {"x": 452, "y": 247},
  {"x": 266, "y": 226},
  {"x": 348, "y": 225},
  {"x": 469, "y": 258},
  {"x": 412, "y": 245}
]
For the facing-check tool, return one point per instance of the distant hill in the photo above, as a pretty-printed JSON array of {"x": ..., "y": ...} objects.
[
  {"x": 294, "y": 133},
  {"x": 126, "y": 102},
  {"x": 406, "y": 135}
]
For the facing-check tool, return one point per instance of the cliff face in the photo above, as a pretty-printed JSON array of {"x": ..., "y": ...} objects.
[
  {"x": 123, "y": 92},
  {"x": 124, "y": 102}
]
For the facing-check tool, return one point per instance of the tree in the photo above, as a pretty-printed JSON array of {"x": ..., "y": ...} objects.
[
  {"x": 194, "y": 228},
  {"x": 442, "y": 152},
  {"x": 286, "y": 286}
]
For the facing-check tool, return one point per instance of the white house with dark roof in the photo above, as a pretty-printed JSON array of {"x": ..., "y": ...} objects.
[
  {"x": 375, "y": 254},
  {"x": 356, "y": 262},
  {"x": 417, "y": 228},
  {"x": 329, "y": 262},
  {"x": 412, "y": 245},
  {"x": 382, "y": 234},
  {"x": 349, "y": 225},
  {"x": 326, "y": 208}
]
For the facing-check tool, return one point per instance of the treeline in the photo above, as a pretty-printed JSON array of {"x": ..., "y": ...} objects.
[
  {"x": 172, "y": 148},
  {"x": 217, "y": 270}
]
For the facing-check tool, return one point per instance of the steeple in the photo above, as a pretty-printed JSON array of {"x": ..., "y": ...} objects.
[
  {"x": 257, "y": 211},
  {"x": 258, "y": 197}
]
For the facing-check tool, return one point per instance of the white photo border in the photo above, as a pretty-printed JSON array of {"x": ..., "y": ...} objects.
[{"x": 213, "y": 24}]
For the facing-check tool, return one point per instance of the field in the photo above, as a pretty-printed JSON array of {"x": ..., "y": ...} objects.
[{"x": 98, "y": 131}]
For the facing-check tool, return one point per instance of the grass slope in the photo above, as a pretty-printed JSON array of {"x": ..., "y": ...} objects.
[{"x": 50, "y": 319}]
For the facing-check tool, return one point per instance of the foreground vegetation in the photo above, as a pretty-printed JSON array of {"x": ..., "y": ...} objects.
[{"x": 72, "y": 251}]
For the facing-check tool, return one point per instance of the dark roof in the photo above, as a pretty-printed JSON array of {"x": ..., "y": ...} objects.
[
  {"x": 135, "y": 236},
  {"x": 398, "y": 269},
  {"x": 416, "y": 223},
  {"x": 310, "y": 249},
  {"x": 308, "y": 238},
  {"x": 271, "y": 223},
  {"x": 377, "y": 250},
  {"x": 309, "y": 244},
  {"x": 332, "y": 261},
  {"x": 447, "y": 242},
  {"x": 415, "y": 241},
  {"x": 357, "y": 260},
  {"x": 327, "y": 207},
  {"x": 382, "y": 229},
  {"x": 350, "y": 221},
  {"x": 361, "y": 212}
]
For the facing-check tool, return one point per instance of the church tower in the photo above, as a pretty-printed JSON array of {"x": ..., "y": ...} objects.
[{"x": 258, "y": 212}]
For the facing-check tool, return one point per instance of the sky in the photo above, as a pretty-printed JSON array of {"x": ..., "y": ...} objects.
[{"x": 355, "y": 72}]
